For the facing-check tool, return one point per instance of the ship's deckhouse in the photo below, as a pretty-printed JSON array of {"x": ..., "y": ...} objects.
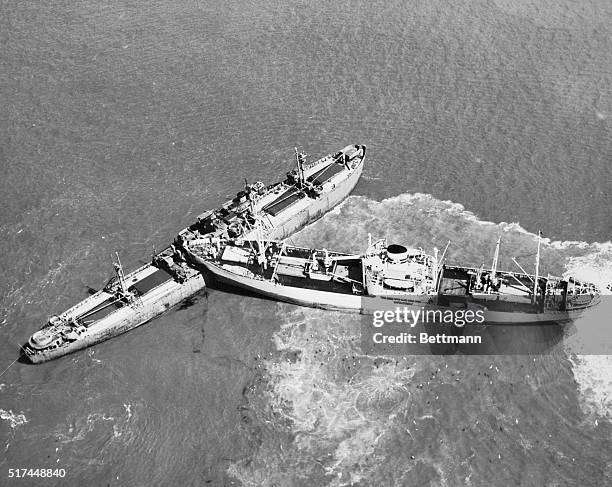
[{"x": 397, "y": 269}]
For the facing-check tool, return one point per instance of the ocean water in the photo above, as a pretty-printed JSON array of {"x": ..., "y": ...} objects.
[{"x": 122, "y": 121}]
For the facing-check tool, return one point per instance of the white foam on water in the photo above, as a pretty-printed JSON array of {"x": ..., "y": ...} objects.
[
  {"x": 122, "y": 427},
  {"x": 13, "y": 419},
  {"x": 594, "y": 265},
  {"x": 593, "y": 373},
  {"x": 128, "y": 410},
  {"x": 338, "y": 405},
  {"x": 79, "y": 427}
]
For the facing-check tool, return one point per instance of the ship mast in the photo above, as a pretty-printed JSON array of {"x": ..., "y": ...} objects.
[
  {"x": 300, "y": 169},
  {"x": 120, "y": 275},
  {"x": 435, "y": 266},
  {"x": 537, "y": 268},
  {"x": 479, "y": 275},
  {"x": 439, "y": 266},
  {"x": 495, "y": 259},
  {"x": 261, "y": 251}
]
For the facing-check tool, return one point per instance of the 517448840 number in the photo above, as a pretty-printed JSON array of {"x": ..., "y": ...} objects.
[{"x": 36, "y": 472}]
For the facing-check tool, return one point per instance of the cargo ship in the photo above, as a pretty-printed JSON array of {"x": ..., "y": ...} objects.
[
  {"x": 393, "y": 276},
  {"x": 129, "y": 300}
]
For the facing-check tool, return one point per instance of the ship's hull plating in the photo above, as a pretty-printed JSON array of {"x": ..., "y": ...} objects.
[
  {"x": 522, "y": 318},
  {"x": 314, "y": 298},
  {"x": 528, "y": 314},
  {"x": 368, "y": 304}
]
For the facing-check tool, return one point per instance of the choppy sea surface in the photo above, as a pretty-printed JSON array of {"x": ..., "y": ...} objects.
[{"x": 122, "y": 121}]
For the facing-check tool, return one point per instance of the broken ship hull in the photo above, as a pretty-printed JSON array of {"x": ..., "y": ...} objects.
[
  {"x": 103, "y": 316},
  {"x": 334, "y": 176}
]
